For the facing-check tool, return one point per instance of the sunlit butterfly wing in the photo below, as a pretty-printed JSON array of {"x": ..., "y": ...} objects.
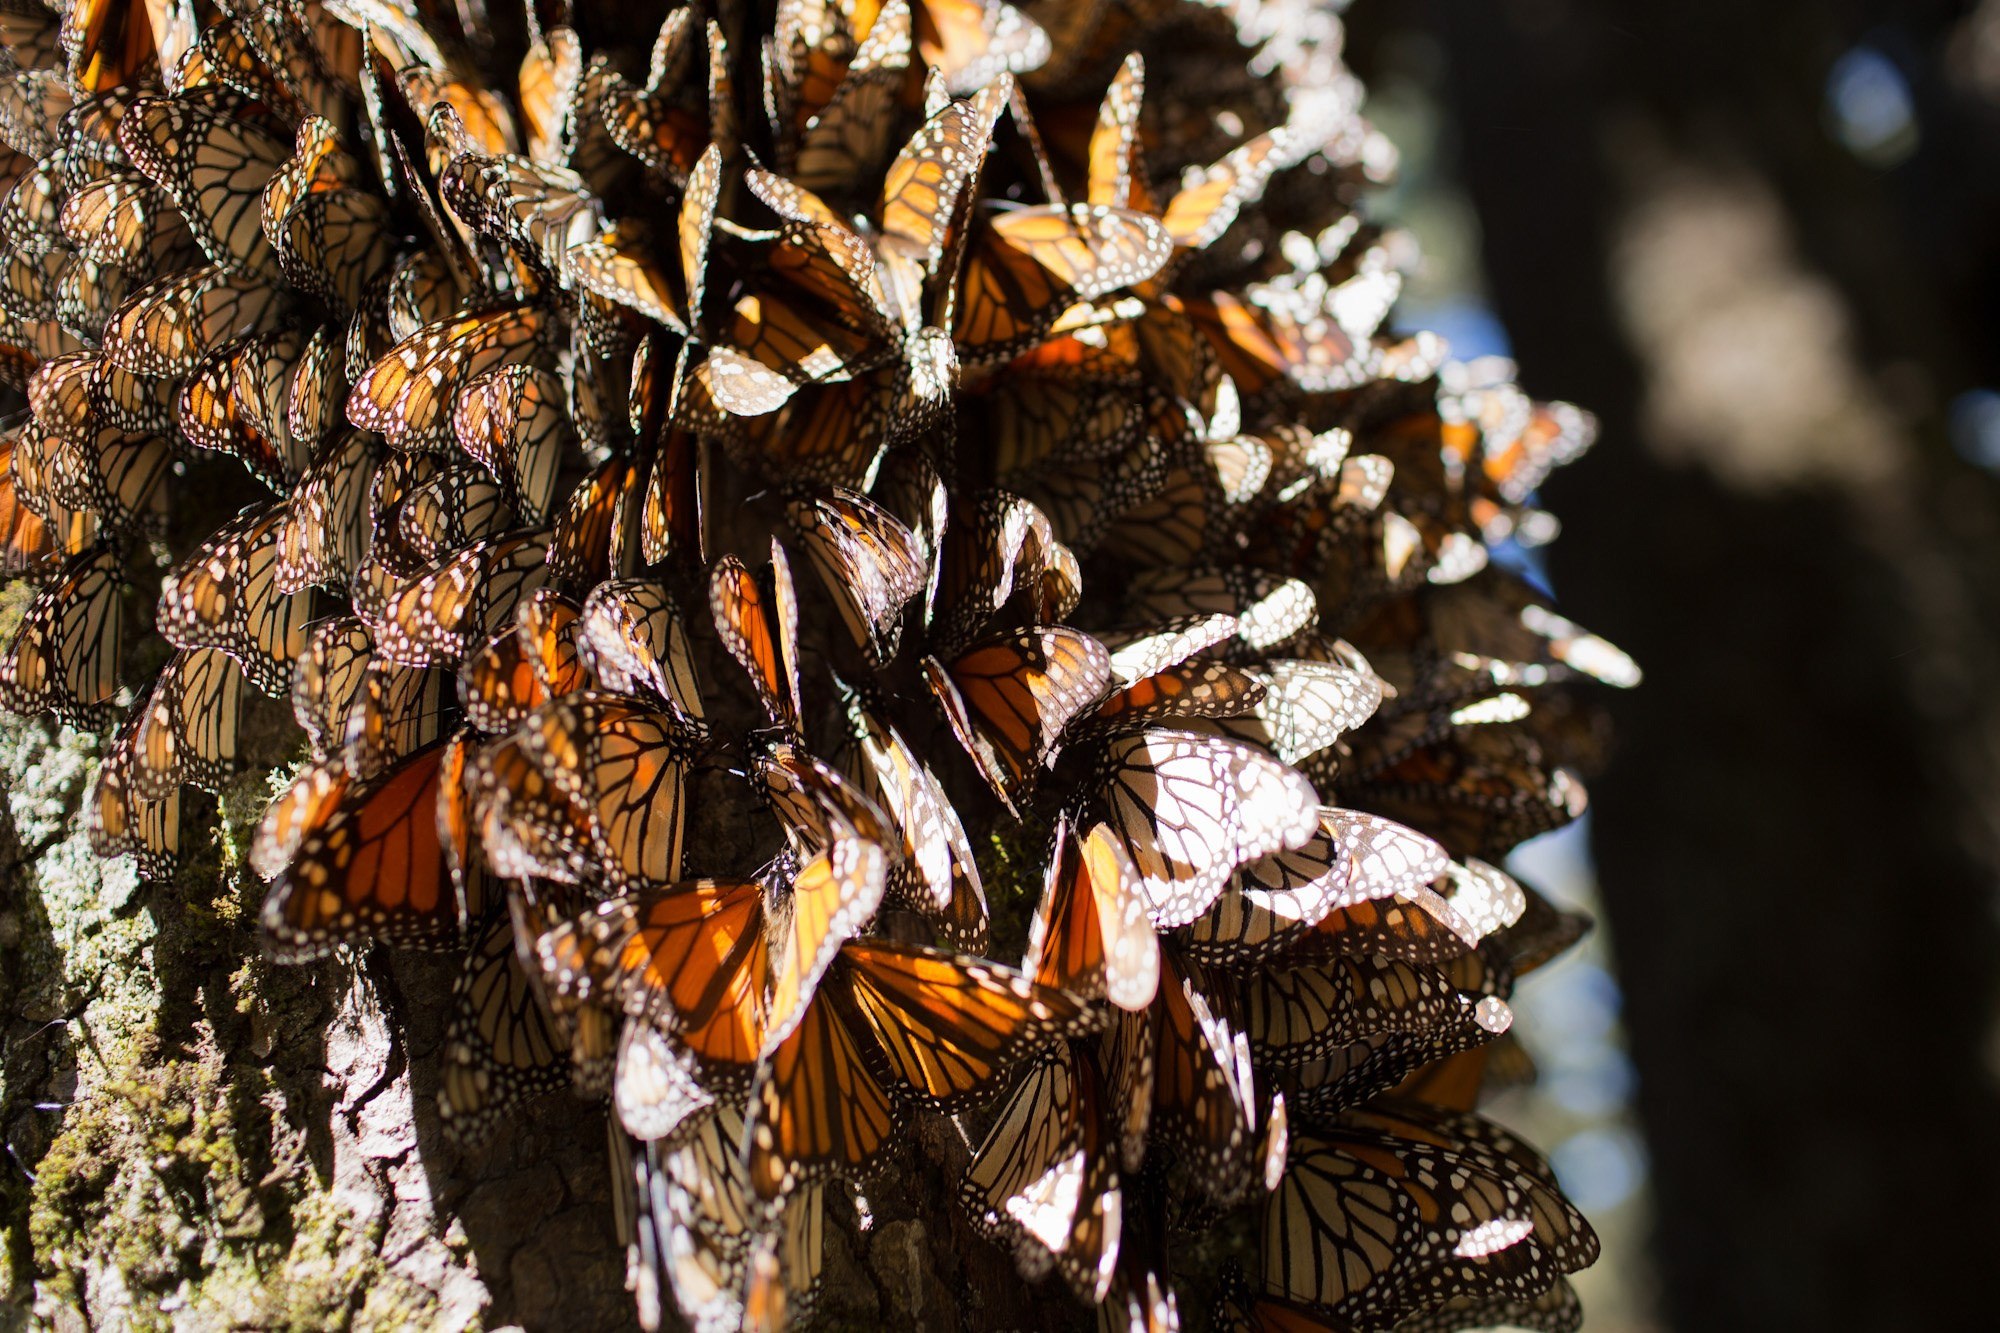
[
  {"x": 868, "y": 560},
  {"x": 1189, "y": 809},
  {"x": 625, "y": 764},
  {"x": 936, "y": 850},
  {"x": 188, "y": 731},
  {"x": 408, "y": 395},
  {"x": 65, "y": 654},
  {"x": 370, "y": 867},
  {"x": 1090, "y": 934},
  {"x": 832, "y": 897},
  {"x": 1045, "y": 1180},
  {"x": 758, "y": 622},
  {"x": 1010, "y": 699},
  {"x": 634, "y": 635},
  {"x": 691, "y": 958}
]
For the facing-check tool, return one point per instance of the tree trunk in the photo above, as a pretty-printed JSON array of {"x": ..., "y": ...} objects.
[{"x": 1795, "y": 842}]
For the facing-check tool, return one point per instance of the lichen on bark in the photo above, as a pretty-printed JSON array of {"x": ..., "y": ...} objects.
[{"x": 200, "y": 1139}]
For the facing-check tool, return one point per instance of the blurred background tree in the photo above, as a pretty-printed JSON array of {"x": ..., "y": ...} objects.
[{"x": 1758, "y": 238}]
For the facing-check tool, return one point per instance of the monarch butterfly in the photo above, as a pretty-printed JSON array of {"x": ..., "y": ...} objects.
[
  {"x": 1486, "y": 898},
  {"x": 436, "y": 619},
  {"x": 758, "y": 620},
  {"x": 59, "y": 395},
  {"x": 1519, "y": 441},
  {"x": 396, "y": 711},
  {"x": 833, "y": 896},
  {"x": 318, "y": 161},
  {"x": 1146, "y": 651},
  {"x": 1339, "y": 1077},
  {"x": 86, "y": 295},
  {"x": 226, "y": 595},
  {"x": 1004, "y": 544},
  {"x": 526, "y": 826},
  {"x": 313, "y": 400},
  {"x": 816, "y": 805},
  {"x": 168, "y": 325},
  {"x": 1270, "y": 609},
  {"x": 188, "y": 732},
  {"x": 1321, "y": 348},
  {"x": 878, "y": 289},
  {"x": 453, "y": 507},
  {"x": 1042, "y": 421},
  {"x": 632, "y": 636},
  {"x": 421, "y": 289},
  {"x": 368, "y": 865},
  {"x": 30, "y": 218},
  {"x": 215, "y": 164},
  {"x": 595, "y": 535},
  {"x": 1307, "y": 706},
  {"x": 1239, "y": 1310},
  {"x": 1210, "y": 198},
  {"x": 1296, "y": 1017},
  {"x": 939, "y": 868},
  {"x": 1046, "y": 1179},
  {"x": 942, "y": 1029},
  {"x": 672, "y": 521},
  {"x": 327, "y": 679},
  {"x": 1090, "y": 933},
  {"x": 1189, "y": 809},
  {"x": 868, "y": 560},
  {"x": 512, "y": 421},
  {"x": 625, "y": 765},
  {"x": 698, "y": 1233},
  {"x": 115, "y": 475},
  {"x": 299, "y": 809},
  {"x": 1351, "y": 859},
  {"x": 654, "y": 1090},
  {"x": 654, "y": 123},
  {"x": 482, "y": 112},
  {"x": 846, "y": 134},
  {"x": 1384, "y": 1216},
  {"x": 691, "y": 958},
  {"x": 1088, "y": 499},
  {"x": 617, "y": 266},
  {"x": 541, "y": 210},
  {"x": 502, "y": 1045},
  {"x": 408, "y": 395},
  {"x": 1205, "y": 1102},
  {"x": 971, "y": 43},
  {"x": 268, "y": 58},
  {"x": 27, "y": 543},
  {"x": 123, "y": 823},
  {"x": 64, "y": 656},
  {"x": 1090, "y": 250},
  {"x": 323, "y": 535},
  {"x": 1010, "y": 699},
  {"x": 546, "y": 624},
  {"x": 1540, "y": 933},
  {"x": 812, "y": 44},
  {"x": 1484, "y": 791},
  {"x": 336, "y": 244},
  {"x": 550, "y": 74},
  {"x": 1204, "y": 690}
]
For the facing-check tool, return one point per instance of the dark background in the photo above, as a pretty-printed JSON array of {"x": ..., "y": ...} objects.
[{"x": 1784, "y": 322}]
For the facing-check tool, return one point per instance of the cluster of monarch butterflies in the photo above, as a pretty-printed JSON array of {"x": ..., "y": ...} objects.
[{"x": 752, "y": 530}]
